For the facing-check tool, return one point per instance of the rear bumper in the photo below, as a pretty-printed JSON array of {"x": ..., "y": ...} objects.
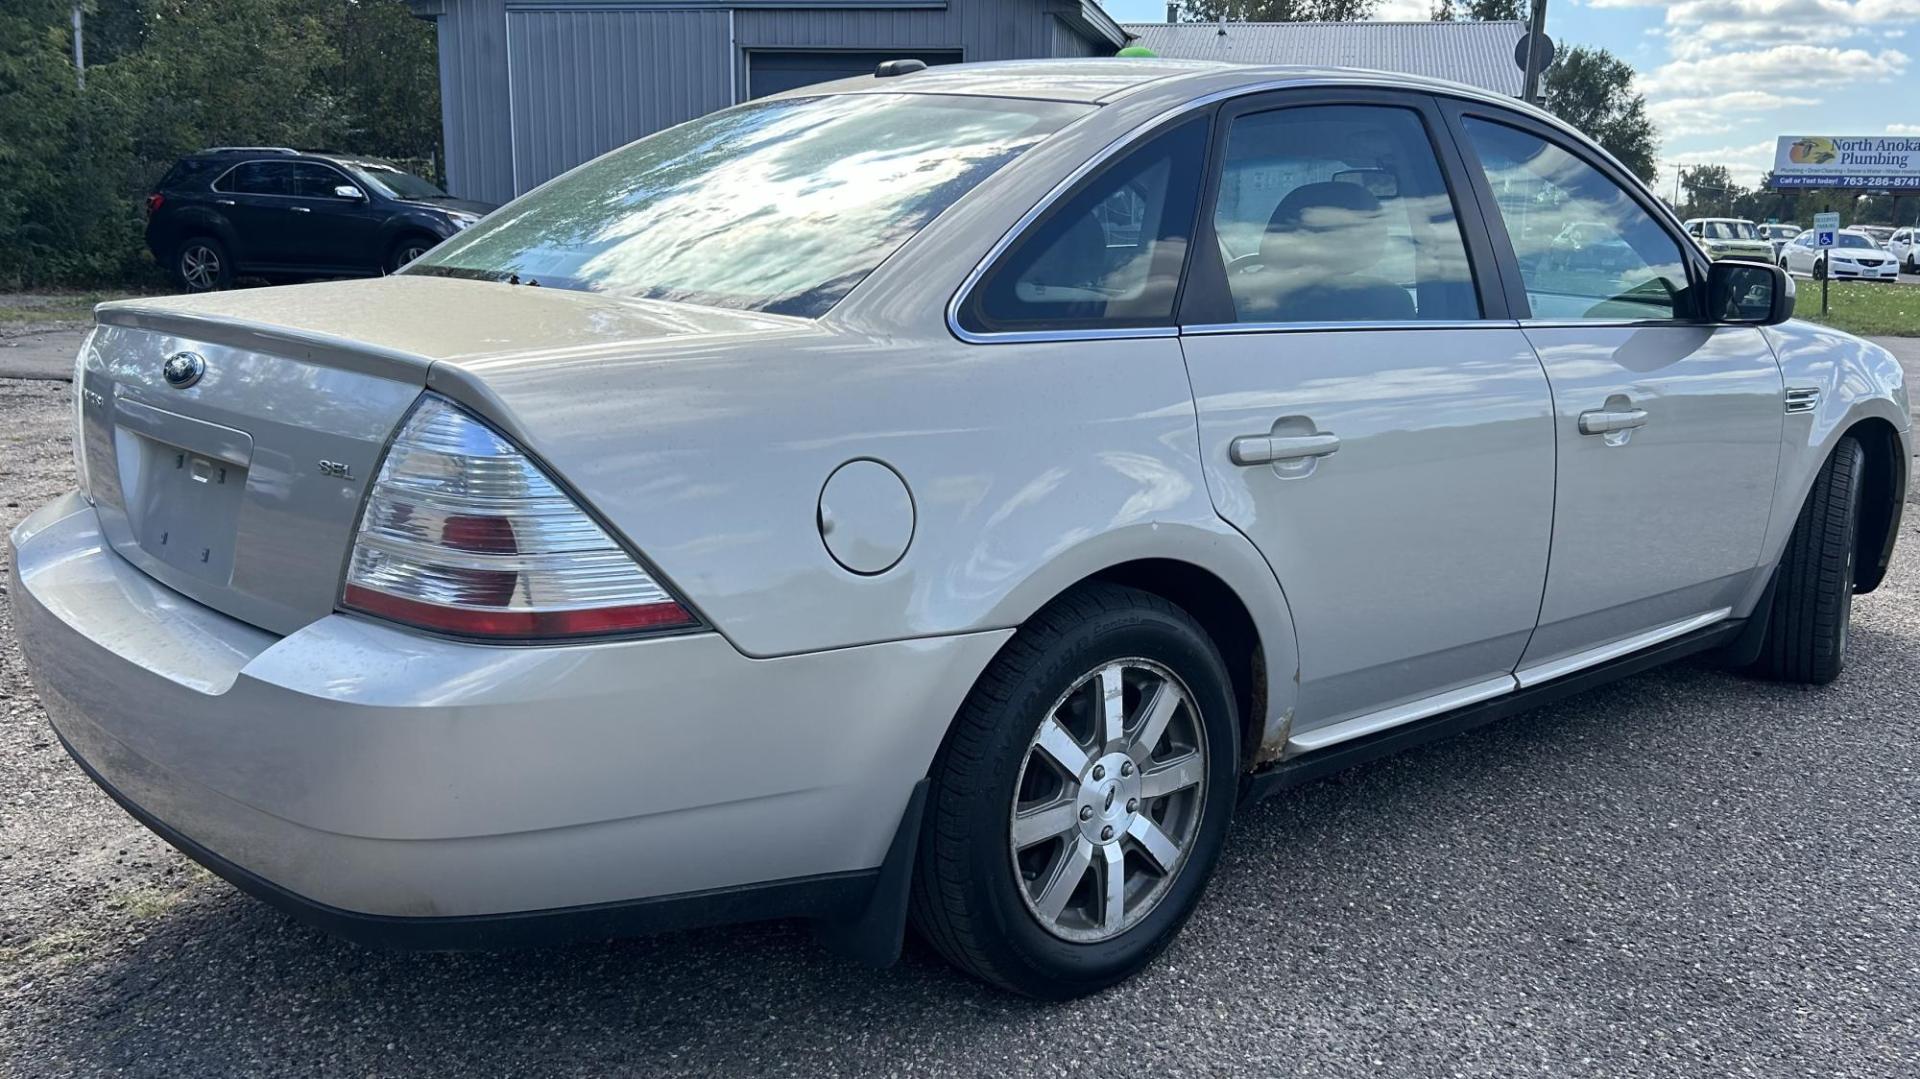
[{"x": 389, "y": 785}]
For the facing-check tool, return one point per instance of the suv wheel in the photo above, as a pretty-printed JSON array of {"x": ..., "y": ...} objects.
[
  {"x": 407, "y": 249},
  {"x": 1082, "y": 799},
  {"x": 1813, "y": 591},
  {"x": 200, "y": 264}
]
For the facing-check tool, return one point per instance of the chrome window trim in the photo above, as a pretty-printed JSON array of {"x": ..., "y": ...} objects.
[
  {"x": 1221, "y": 328},
  {"x": 215, "y": 185},
  {"x": 1632, "y": 323}
]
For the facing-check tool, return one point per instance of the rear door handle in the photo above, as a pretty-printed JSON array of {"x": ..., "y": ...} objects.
[
  {"x": 300, "y": 209},
  {"x": 1267, "y": 449},
  {"x": 1606, "y": 421},
  {"x": 223, "y": 202}
]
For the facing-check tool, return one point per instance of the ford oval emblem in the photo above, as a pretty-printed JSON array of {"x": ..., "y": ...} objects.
[{"x": 183, "y": 369}]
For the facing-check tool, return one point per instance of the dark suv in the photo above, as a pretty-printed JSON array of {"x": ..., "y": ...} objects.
[{"x": 285, "y": 215}]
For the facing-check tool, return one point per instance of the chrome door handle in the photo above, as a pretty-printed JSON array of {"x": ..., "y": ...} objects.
[
  {"x": 300, "y": 209},
  {"x": 1267, "y": 449},
  {"x": 1605, "y": 422},
  {"x": 223, "y": 202}
]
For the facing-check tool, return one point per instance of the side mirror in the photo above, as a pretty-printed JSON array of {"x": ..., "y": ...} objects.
[
  {"x": 1752, "y": 293},
  {"x": 348, "y": 191}
]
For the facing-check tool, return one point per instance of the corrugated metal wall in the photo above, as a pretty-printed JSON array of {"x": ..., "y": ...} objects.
[
  {"x": 473, "y": 99},
  {"x": 530, "y": 88},
  {"x": 585, "y": 81}
]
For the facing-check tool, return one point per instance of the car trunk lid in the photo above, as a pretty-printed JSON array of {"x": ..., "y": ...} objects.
[{"x": 239, "y": 481}]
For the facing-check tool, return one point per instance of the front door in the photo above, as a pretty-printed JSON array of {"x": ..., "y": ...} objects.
[
  {"x": 1668, "y": 426},
  {"x": 1366, "y": 416}
]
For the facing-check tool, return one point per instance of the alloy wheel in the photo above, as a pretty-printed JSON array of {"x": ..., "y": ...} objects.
[
  {"x": 200, "y": 267},
  {"x": 1108, "y": 800}
]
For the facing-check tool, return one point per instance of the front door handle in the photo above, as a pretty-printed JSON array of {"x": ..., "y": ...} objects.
[
  {"x": 1603, "y": 421},
  {"x": 223, "y": 202},
  {"x": 1269, "y": 449},
  {"x": 300, "y": 209}
]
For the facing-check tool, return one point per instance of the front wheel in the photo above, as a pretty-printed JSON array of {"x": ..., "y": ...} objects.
[
  {"x": 1813, "y": 588},
  {"x": 408, "y": 248},
  {"x": 1082, "y": 798}
]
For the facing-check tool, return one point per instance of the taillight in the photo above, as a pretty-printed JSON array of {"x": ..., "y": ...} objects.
[
  {"x": 463, "y": 533},
  {"x": 154, "y": 202}
]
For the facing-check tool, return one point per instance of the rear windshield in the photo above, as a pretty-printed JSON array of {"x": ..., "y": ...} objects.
[{"x": 782, "y": 206}]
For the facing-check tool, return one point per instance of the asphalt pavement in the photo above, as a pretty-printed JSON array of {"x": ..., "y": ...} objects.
[{"x": 1687, "y": 873}]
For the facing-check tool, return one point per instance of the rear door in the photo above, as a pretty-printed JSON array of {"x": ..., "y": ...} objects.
[
  {"x": 1369, "y": 416},
  {"x": 254, "y": 196},
  {"x": 1668, "y": 427}
]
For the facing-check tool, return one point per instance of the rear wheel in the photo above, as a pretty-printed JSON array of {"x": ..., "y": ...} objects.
[
  {"x": 1081, "y": 801},
  {"x": 200, "y": 264},
  {"x": 1813, "y": 589},
  {"x": 408, "y": 248}
]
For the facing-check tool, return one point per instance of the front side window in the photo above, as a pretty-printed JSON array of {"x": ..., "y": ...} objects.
[
  {"x": 780, "y": 206},
  {"x": 1634, "y": 270},
  {"x": 1340, "y": 213},
  {"x": 1107, "y": 257},
  {"x": 315, "y": 181}
]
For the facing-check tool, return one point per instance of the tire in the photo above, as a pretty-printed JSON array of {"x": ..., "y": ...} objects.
[
  {"x": 1806, "y": 637},
  {"x": 1820, "y": 269},
  {"x": 201, "y": 264},
  {"x": 407, "y": 248},
  {"x": 979, "y": 892}
]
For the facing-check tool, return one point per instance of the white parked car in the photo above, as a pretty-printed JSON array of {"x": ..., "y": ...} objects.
[
  {"x": 1854, "y": 256},
  {"x": 1905, "y": 249},
  {"x": 1729, "y": 238},
  {"x": 1778, "y": 235},
  {"x": 888, "y": 505}
]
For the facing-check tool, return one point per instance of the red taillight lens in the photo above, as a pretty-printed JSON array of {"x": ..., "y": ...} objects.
[
  {"x": 154, "y": 202},
  {"x": 463, "y": 533}
]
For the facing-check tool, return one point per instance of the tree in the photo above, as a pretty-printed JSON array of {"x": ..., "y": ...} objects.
[
  {"x": 1592, "y": 89},
  {"x": 1480, "y": 11},
  {"x": 1709, "y": 191},
  {"x": 1279, "y": 10}
]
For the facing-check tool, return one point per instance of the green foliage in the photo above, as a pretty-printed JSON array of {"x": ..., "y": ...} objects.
[
  {"x": 1592, "y": 89},
  {"x": 1479, "y": 10},
  {"x": 1709, "y": 191},
  {"x": 166, "y": 77},
  {"x": 1798, "y": 205},
  {"x": 1862, "y": 307},
  {"x": 1278, "y": 10}
]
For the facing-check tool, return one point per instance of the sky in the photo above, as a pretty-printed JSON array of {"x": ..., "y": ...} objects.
[{"x": 1724, "y": 78}]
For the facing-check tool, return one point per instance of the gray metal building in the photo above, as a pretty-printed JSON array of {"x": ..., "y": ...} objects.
[
  {"x": 530, "y": 88},
  {"x": 1476, "y": 53}
]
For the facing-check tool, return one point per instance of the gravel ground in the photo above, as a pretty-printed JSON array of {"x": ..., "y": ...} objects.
[{"x": 1682, "y": 874}]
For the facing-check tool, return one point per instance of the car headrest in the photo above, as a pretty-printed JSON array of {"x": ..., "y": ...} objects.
[{"x": 1331, "y": 227}]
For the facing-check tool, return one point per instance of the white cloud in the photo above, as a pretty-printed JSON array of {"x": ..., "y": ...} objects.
[
  {"x": 1746, "y": 164},
  {"x": 1403, "y": 11},
  {"x": 1793, "y": 67},
  {"x": 1903, "y": 129},
  {"x": 1680, "y": 117}
]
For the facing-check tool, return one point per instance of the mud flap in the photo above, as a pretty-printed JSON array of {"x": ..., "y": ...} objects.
[{"x": 874, "y": 933}]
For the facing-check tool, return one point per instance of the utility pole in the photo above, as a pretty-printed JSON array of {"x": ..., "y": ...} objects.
[
  {"x": 1530, "y": 92},
  {"x": 79, "y": 47}
]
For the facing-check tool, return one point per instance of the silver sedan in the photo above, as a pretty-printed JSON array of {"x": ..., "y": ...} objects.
[{"x": 887, "y": 503}]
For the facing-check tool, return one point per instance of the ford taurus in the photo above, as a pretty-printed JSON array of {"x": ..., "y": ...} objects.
[{"x": 936, "y": 498}]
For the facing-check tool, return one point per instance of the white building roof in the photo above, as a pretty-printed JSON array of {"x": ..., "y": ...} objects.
[{"x": 1476, "y": 53}]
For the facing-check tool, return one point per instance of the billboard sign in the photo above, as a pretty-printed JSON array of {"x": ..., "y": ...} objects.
[{"x": 1877, "y": 162}]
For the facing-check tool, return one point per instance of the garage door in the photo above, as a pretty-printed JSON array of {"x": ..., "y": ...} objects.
[{"x": 772, "y": 72}]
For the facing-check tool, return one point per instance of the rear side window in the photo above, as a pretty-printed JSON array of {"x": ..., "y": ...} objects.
[
  {"x": 1340, "y": 213},
  {"x": 259, "y": 178},
  {"x": 1628, "y": 268},
  {"x": 1110, "y": 255}
]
